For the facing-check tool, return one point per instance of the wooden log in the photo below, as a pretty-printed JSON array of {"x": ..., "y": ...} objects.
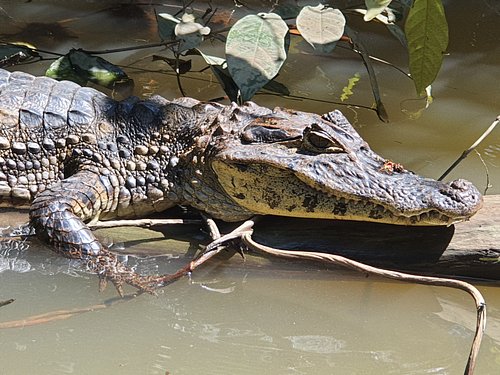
[{"x": 468, "y": 249}]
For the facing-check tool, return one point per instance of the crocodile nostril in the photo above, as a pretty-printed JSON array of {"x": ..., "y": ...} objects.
[
  {"x": 460, "y": 184},
  {"x": 461, "y": 191}
]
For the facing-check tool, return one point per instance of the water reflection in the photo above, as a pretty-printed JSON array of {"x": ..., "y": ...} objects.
[{"x": 275, "y": 319}]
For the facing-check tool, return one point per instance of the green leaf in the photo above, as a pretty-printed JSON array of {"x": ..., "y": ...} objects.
[
  {"x": 427, "y": 34},
  {"x": 96, "y": 69},
  {"x": 358, "y": 44},
  {"x": 13, "y": 54},
  {"x": 374, "y": 8},
  {"x": 189, "y": 33},
  {"x": 398, "y": 33},
  {"x": 321, "y": 27},
  {"x": 389, "y": 22},
  {"x": 209, "y": 59},
  {"x": 405, "y": 4},
  {"x": 226, "y": 81},
  {"x": 61, "y": 69},
  {"x": 255, "y": 51},
  {"x": 166, "y": 25}
]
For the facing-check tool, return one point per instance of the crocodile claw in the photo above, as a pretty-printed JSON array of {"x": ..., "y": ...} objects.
[
  {"x": 103, "y": 283},
  {"x": 142, "y": 283},
  {"x": 119, "y": 287},
  {"x": 109, "y": 268}
]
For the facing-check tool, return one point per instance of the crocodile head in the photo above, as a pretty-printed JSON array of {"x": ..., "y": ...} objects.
[{"x": 298, "y": 164}]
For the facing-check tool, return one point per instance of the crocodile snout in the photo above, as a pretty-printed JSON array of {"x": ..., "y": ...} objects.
[{"x": 460, "y": 196}]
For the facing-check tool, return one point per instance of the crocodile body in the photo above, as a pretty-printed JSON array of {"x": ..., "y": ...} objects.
[{"x": 74, "y": 155}]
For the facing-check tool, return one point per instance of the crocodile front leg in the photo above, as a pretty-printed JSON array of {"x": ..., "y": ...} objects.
[{"x": 58, "y": 216}]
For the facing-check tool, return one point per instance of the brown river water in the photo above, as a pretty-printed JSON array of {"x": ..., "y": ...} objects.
[{"x": 262, "y": 316}]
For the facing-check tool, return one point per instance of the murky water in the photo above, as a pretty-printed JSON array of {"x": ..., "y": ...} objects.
[{"x": 261, "y": 316}]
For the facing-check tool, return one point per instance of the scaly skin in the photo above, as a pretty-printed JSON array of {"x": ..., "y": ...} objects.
[{"x": 74, "y": 155}]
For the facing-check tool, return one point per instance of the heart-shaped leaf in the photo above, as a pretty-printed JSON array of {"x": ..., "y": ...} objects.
[
  {"x": 255, "y": 51},
  {"x": 321, "y": 27}
]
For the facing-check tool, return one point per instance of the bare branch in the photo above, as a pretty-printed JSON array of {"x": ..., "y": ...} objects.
[
  {"x": 146, "y": 223},
  {"x": 472, "y": 147},
  {"x": 427, "y": 280}
]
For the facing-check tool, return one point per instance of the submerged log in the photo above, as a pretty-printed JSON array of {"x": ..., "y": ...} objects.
[{"x": 468, "y": 249}]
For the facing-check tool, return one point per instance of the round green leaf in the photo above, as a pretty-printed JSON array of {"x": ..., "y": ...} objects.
[
  {"x": 321, "y": 27},
  {"x": 255, "y": 51},
  {"x": 427, "y": 35}
]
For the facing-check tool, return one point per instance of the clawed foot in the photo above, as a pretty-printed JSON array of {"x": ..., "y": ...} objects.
[
  {"x": 109, "y": 268},
  {"x": 103, "y": 283},
  {"x": 144, "y": 284}
]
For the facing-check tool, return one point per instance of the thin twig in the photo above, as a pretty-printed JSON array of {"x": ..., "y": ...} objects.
[
  {"x": 291, "y": 96},
  {"x": 37, "y": 50},
  {"x": 130, "y": 48},
  {"x": 178, "y": 75},
  {"x": 474, "y": 145},
  {"x": 485, "y": 171},
  {"x": 184, "y": 7},
  {"x": 317, "y": 100},
  {"x": 211, "y": 250},
  {"x": 377, "y": 59},
  {"x": 427, "y": 280},
  {"x": 213, "y": 229},
  {"x": 146, "y": 223}
]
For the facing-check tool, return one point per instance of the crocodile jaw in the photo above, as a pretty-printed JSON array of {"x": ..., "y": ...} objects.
[{"x": 266, "y": 189}]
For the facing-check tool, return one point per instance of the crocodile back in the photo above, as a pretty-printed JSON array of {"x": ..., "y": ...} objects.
[{"x": 40, "y": 118}]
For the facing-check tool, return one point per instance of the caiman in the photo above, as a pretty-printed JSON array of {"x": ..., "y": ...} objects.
[{"x": 74, "y": 155}]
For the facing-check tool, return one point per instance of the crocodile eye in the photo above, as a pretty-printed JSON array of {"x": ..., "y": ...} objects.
[{"x": 317, "y": 140}]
